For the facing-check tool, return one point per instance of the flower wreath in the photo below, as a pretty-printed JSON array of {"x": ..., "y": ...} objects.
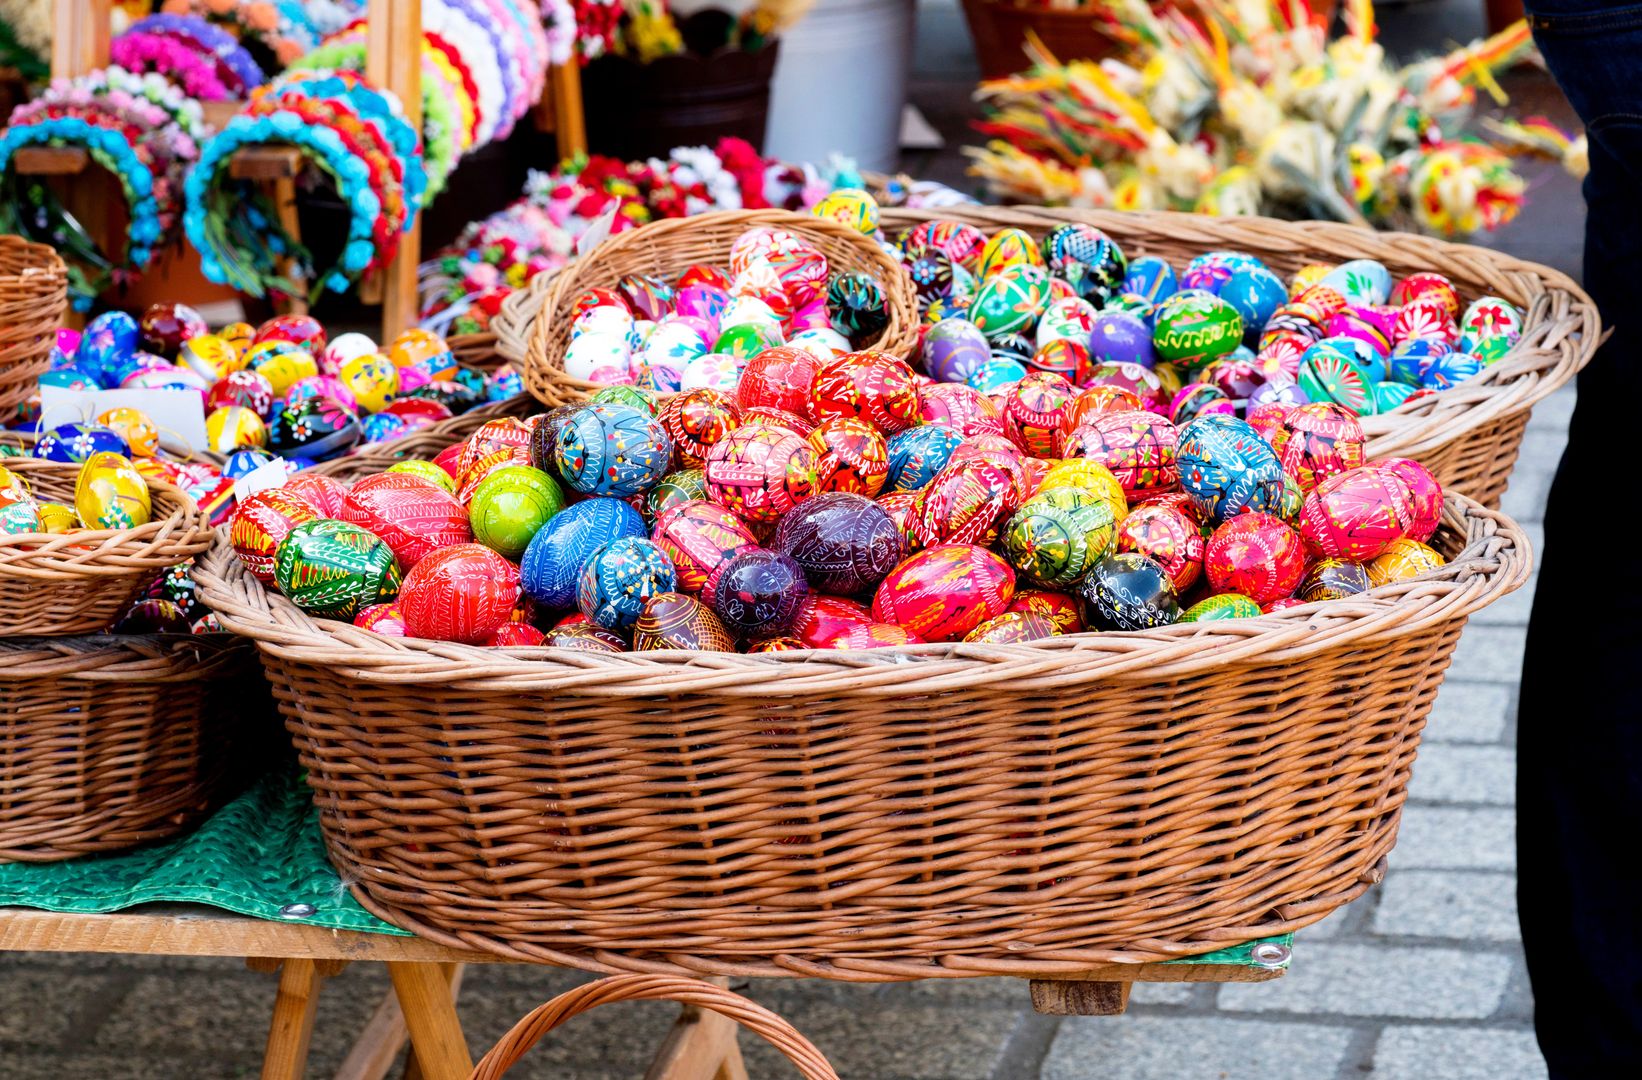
[
  {"x": 233, "y": 65},
  {"x": 559, "y": 25},
  {"x": 255, "y": 22},
  {"x": 383, "y": 110},
  {"x": 155, "y": 88},
  {"x": 481, "y": 50},
  {"x": 534, "y": 54}
]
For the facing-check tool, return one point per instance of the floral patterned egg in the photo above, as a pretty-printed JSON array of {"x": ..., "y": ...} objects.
[
  {"x": 1151, "y": 277},
  {"x": 962, "y": 243},
  {"x": 1389, "y": 395},
  {"x": 852, "y": 455},
  {"x": 917, "y": 455},
  {"x": 1425, "y": 319},
  {"x": 780, "y": 378},
  {"x": 510, "y": 505},
  {"x": 345, "y": 347},
  {"x": 1138, "y": 447},
  {"x": 1403, "y": 560},
  {"x": 700, "y": 538},
  {"x": 695, "y": 420},
  {"x": 1010, "y": 301},
  {"x": 647, "y": 296},
  {"x": 1488, "y": 317},
  {"x": 1063, "y": 357},
  {"x": 1058, "y": 534},
  {"x": 1331, "y": 372},
  {"x": 967, "y": 502},
  {"x": 822, "y": 619},
  {"x": 1008, "y": 248},
  {"x": 77, "y": 442},
  {"x": 1333, "y": 579},
  {"x": 315, "y": 428},
  {"x": 845, "y": 543},
  {"x": 1199, "y": 399},
  {"x": 997, "y": 374},
  {"x": 412, "y": 516},
  {"x": 601, "y": 358},
  {"x": 1424, "y": 285},
  {"x": 327, "y": 386},
  {"x": 1316, "y": 441},
  {"x": 758, "y": 593},
  {"x": 1195, "y": 327},
  {"x": 850, "y": 207},
  {"x": 1424, "y": 492},
  {"x": 331, "y": 569},
  {"x": 961, "y": 408},
  {"x": 1128, "y": 591},
  {"x": 1212, "y": 269},
  {"x": 372, "y": 379},
  {"x": 873, "y": 386},
  {"x": 1069, "y": 318},
  {"x": 1168, "y": 536},
  {"x": 944, "y": 592},
  {"x": 1140, "y": 381},
  {"x": 110, "y": 493},
  {"x": 384, "y": 619},
  {"x": 553, "y": 562},
  {"x": 1222, "y": 606},
  {"x": 953, "y": 349},
  {"x": 134, "y": 426},
  {"x": 1356, "y": 515},
  {"x": 602, "y": 319},
  {"x": 1013, "y": 628},
  {"x": 1360, "y": 281},
  {"x": 612, "y": 450},
  {"x": 1099, "y": 399},
  {"x": 323, "y": 493},
  {"x": 672, "y": 620},
  {"x": 617, "y": 579},
  {"x": 642, "y": 400},
  {"x": 463, "y": 593},
  {"x": 1034, "y": 411},
  {"x": 281, "y": 363},
  {"x": 760, "y": 471},
  {"x": 1060, "y": 608},
  {"x": 1255, "y": 555},
  {"x": 1409, "y": 358}
]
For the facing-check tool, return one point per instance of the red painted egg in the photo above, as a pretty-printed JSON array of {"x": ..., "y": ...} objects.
[
  {"x": 1137, "y": 446},
  {"x": 873, "y": 386},
  {"x": 323, "y": 493},
  {"x": 1423, "y": 491},
  {"x": 446, "y": 459},
  {"x": 875, "y": 635},
  {"x": 1064, "y": 357},
  {"x": 760, "y": 471},
  {"x": 960, "y": 407},
  {"x": 1357, "y": 515},
  {"x": 413, "y": 517},
  {"x": 966, "y": 503},
  {"x": 853, "y": 455},
  {"x": 902, "y": 508},
  {"x": 1034, "y": 410},
  {"x": 463, "y": 593},
  {"x": 302, "y": 330},
  {"x": 944, "y": 592},
  {"x": 261, "y": 522},
  {"x": 1256, "y": 555},
  {"x": 700, "y": 537},
  {"x": 1169, "y": 537},
  {"x": 821, "y": 619},
  {"x": 1267, "y": 422},
  {"x": 516, "y": 635},
  {"x": 1059, "y": 608},
  {"x": 1140, "y": 381},
  {"x": 1317, "y": 441},
  {"x": 1416, "y": 286},
  {"x": 497, "y": 443},
  {"x": 781, "y": 378},
  {"x": 1099, "y": 399},
  {"x": 248, "y": 388},
  {"x": 780, "y": 418},
  {"x": 695, "y": 420}
]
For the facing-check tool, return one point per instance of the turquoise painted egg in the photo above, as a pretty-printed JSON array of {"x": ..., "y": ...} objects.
[
  {"x": 612, "y": 450},
  {"x": 618, "y": 578},
  {"x": 553, "y": 561},
  {"x": 918, "y": 454},
  {"x": 1010, "y": 301},
  {"x": 1331, "y": 371},
  {"x": 1195, "y": 327},
  {"x": 1256, "y": 293},
  {"x": 1227, "y": 468},
  {"x": 1150, "y": 278},
  {"x": 1389, "y": 395},
  {"x": 1212, "y": 269},
  {"x": 997, "y": 374},
  {"x": 1360, "y": 281}
]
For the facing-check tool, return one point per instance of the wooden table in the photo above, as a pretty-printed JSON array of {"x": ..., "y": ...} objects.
[{"x": 426, "y": 978}]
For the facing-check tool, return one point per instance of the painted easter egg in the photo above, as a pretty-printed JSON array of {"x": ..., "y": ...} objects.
[
  {"x": 1255, "y": 555},
  {"x": 554, "y": 559},
  {"x": 164, "y": 327},
  {"x": 822, "y": 619},
  {"x": 463, "y": 593},
  {"x": 343, "y": 348},
  {"x": 1145, "y": 383},
  {"x": 857, "y": 305},
  {"x": 1450, "y": 369},
  {"x": 1060, "y": 608},
  {"x": 1010, "y": 301},
  {"x": 617, "y": 579},
  {"x": 510, "y": 506},
  {"x": 1403, "y": 560},
  {"x": 695, "y": 420},
  {"x": 1333, "y": 579},
  {"x": 281, "y": 363},
  {"x": 612, "y": 450},
  {"x": 954, "y": 349},
  {"x": 1221, "y": 606},
  {"x": 1198, "y": 399},
  {"x": 384, "y": 619},
  {"x": 1408, "y": 359},
  {"x": 1427, "y": 284},
  {"x": 234, "y": 426},
  {"x": 110, "y": 493},
  {"x": 246, "y": 388},
  {"x": 850, "y": 207},
  {"x": 1389, "y": 395},
  {"x": 699, "y": 538},
  {"x": 330, "y": 569},
  {"x": 304, "y": 331},
  {"x": 758, "y": 593},
  {"x": 761, "y": 471},
  {"x": 210, "y": 357},
  {"x": 851, "y": 455},
  {"x": 962, "y": 408},
  {"x": 944, "y": 592},
  {"x": 917, "y": 455},
  {"x": 1127, "y": 591},
  {"x": 1013, "y": 628},
  {"x": 1489, "y": 317},
  {"x": 1255, "y": 293},
  {"x": 1195, "y": 327},
  {"x": 1058, "y": 534},
  {"x": 997, "y": 375},
  {"x": 967, "y": 503},
  {"x": 1424, "y": 492},
  {"x": 1360, "y": 281},
  {"x": 1357, "y": 515},
  {"x": 515, "y": 635},
  {"x": 780, "y": 378},
  {"x": 372, "y": 379},
  {"x": 412, "y": 516},
  {"x": 1138, "y": 447},
  {"x": 422, "y": 351},
  {"x": 325, "y": 494},
  {"x": 874, "y": 635},
  {"x": 1168, "y": 536},
  {"x": 1069, "y": 318},
  {"x": 1316, "y": 441},
  {"x": 1331, "y": 372},
  {"x": 76, "y": 442},
  {"x": 1034, "y": 412},
  {"x": 1008, "y": 248},
  {"x": 1066, "y": 358},
  {"x": 675, "y": 489},
  {"x": 672, "y": 620},
  {"x": 316, "y": 428},
  {"x": 600, "y": 358},
  {"x": 845, "y": 543},
  {"x": 872, "y": 386},
  {"x": 1151, "y": 277},
  {"x": 139, "y": 432},
  {"x": 584, "y": 637}
]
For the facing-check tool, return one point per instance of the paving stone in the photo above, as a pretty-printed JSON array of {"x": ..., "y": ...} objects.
[
  {"x": 892, "y": 1042},
  {"x": 228, "y": 1064},
  {"x": 1371, "y": 980},
  {"x": 1446, "y": 904},
  {"x": 1489, "y": 653},
  {"x": 1191, "y": 1048},
  {"x": 38, "y": 1005},
  {"x": 1445, "y": 1053},
  {"x": 1449, "y": 772},
  {"x": 1512, "y": 610},
  {"x": 1446, "y": 837},
  {"x": 1333, "y": 926},
  {"x": 1525, "y": 499},
  {"x": 1468, "y": 712},
  {"x": 1163, "y": 993}
]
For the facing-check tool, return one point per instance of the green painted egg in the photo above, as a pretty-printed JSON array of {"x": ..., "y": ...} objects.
[
  {"x": 428, "y": 471},
  {"x": 1011, "y": 301},
  {"x": 628, "y": 395},
  {"x": 1058, "y": 534},
  {"x": 331, "y": 569},
  {"x": 1195, "y": 327},
  {"x": 747, "y": 340},
  {"x": 686, "y": 485},
  {"x": 1223, "y": 606},
  {"x": 510, "y": 505}
]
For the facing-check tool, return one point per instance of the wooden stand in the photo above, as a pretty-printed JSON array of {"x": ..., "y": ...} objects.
[{"x": 393, "y": 61}]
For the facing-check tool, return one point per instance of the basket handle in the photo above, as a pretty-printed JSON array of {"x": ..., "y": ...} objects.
[{"x": 756, "y": 1018}]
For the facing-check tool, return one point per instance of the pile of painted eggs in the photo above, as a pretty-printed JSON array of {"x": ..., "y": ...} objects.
[
  {"x": 1224, "y": 334},
  {"x": 282, "y": 387},
  {"x": 845, "y": 503},
  {"x": 700, "y": 329}
]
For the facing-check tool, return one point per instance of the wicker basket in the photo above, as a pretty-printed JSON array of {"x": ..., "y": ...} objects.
[
  {"x": 425, "y": 442},
  {"x": 109, "y": 741},
  {"x": 667, "y": 248},
  {"x": 515, "y": 323},
  {"x": 939, "y": 810},
  {"x": 33, "y": 298},
  {"x": 81, "y": 582},
  {"x": 756, "y": 1018},
  {"x": 1468, "y": 435}
]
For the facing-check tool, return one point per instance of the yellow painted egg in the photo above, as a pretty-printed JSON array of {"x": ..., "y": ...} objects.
[
  {"x": 1404, "y": 559},
  {"x": 57, "y": 518},
  {"x": 281, "y": 363},
  {"x": 134, "y": 426},
  {"x": 110, "y": 493},
  {"x": 235, "y": 427},
  {"x": 239, "y": 335},
  {"x": 1009, "y": 247},
  {"x": 373, "y": 379},
  {"x": 211, "y": 357}
]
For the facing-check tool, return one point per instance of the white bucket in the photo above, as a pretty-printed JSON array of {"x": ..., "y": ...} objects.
[{"x": 841, "y": 82}]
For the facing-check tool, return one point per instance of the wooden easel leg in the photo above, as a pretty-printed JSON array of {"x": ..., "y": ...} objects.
[
  {"x": 427, "y": 996},
  {"x": 293, "y": 1025},
  {"x": 379, "y": 1043},
  {"x": 569, "y": 122},
  {"x": 732, "y": 1067},
  {"x": 1066, "y": 998}
]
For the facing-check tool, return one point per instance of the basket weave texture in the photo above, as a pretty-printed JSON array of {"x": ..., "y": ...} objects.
[
  {"x": 668, "y": 248},
  {"x": 109, "y": 741},
  {"x": 33, "y": 298},
  {"x": 754, "y": 1017},
  {"x": 516, "y": 321},
  {"x": 938, "y": 810},
  {"x": 81, "y": 582}
]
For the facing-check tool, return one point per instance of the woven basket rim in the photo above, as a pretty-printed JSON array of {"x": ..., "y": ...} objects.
[
  {"x": 516, "y": 322},
  {"x": 110, "y": 657},
  {"x": 1495, "y": 560},
  {"x": 898, "y": 338}
]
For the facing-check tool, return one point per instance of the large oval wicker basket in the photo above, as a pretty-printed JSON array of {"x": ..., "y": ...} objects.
[
  {"x": 1468, "y": 435},
  {"x": 940, "y": 810},
  {"x": 668, "y": 248},
  {"x": 81, "y": 582},
  {"x": 111, "y": 740}
]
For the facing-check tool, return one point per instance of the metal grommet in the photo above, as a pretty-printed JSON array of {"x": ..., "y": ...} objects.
[
  {"x": 297, "y": 911},
  {"x": 1269, "y": 954}
]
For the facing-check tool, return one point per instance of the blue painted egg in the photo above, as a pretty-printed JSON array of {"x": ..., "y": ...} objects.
[
  {"x": 244, "y": 462},
  {"x": 1256, "y": 293},
  {"x": 1360, "y": 281},
  {"x": 76, "y": 442},
  {"x": 108, "y": 338},
  {"x": 1212, "y": 269},
  {"x": 997, "y": 373},
  {"x": 612, "y": 449},
  {"x": 917, "y": 454},
  {"x": 71, "y": 377},
  {"x": 1151, "y": 278},
  {"x": 1410, "y": 357},
  {"x": 619, "y": 577},
  {"x": 1227, "y": 468},
  {"x": 1119, "y": 337},
  {"x": 1388, "y": 395},
  {"x": 553, "y": 562},
  {"x": 1441, "y": 372}
]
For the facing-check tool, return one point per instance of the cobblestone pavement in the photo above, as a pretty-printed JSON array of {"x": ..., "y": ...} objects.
[{"x": 1421, "y": 979}]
